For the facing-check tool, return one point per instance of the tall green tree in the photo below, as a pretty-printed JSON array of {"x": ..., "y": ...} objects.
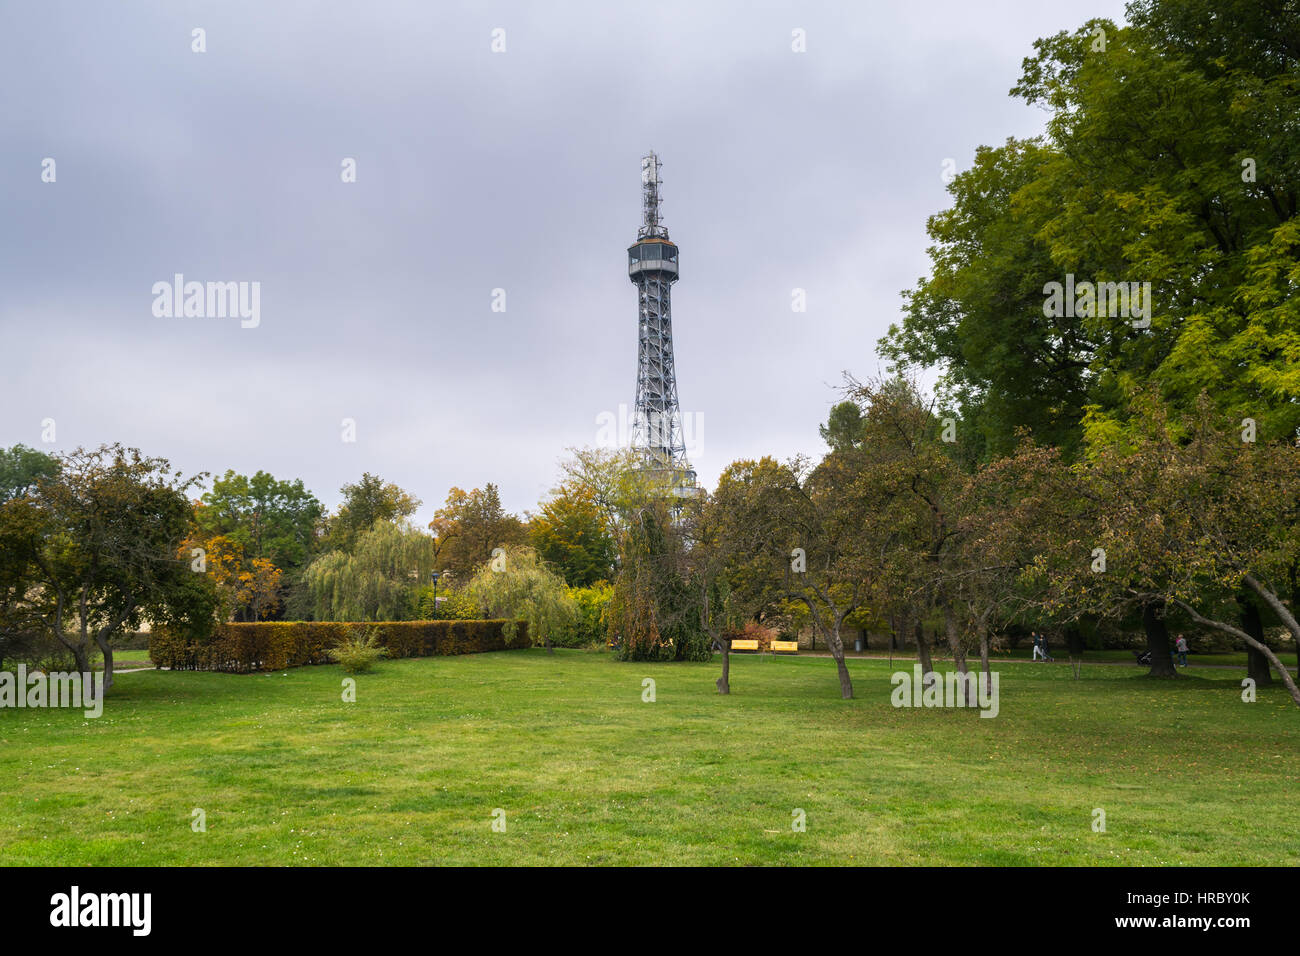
[
  {"x": 572, "y": 534},
  {"x": 1170, "y": 158},
  {"x": 794, "y": 532},
  {"x": 380, "y": 579},
  {"x": 611, "y": 478},
  {"x": 1182, "y": 518},
  {"x": 470, "y": 526},
  {"x": 366, "y": 502},
  {"x": 104, "y": 544},
  {"x": 277, "y": 520},
  {"x": 843, "y": 428},
  {"x": 979, "y": 314},
  {"x": 910, "y": 477},
  {"x": 261, "y": 532},
  {"x": 22, "y": 524},
  {"x": 655, "y": 610},
  {"x": 1196, "y": 198},
  {"x": 22, "y": 469}
]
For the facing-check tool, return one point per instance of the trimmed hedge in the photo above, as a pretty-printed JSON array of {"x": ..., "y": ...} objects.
[{"x": 275, "y": 645}]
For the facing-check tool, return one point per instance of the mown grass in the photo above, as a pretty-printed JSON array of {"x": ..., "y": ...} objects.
[{"x": 588, "y": 773}]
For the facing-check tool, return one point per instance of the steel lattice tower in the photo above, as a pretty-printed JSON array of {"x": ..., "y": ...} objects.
[{"x": 652, "y": 266}]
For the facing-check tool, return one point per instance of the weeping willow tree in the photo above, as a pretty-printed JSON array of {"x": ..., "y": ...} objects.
[
  {"x": 379, "y": 580},
  {"x": 655, "y": 610},
  {"x": 518, "y": 586}
]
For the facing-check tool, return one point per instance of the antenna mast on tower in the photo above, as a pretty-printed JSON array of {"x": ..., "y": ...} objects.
[
  {"x": 652, "y": 266},
  {"x": 651, "y": 226}
]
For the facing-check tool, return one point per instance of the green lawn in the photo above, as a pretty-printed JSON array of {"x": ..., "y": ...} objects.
[
  {"x": 122, "y": 660},
  {"x": 588, "y": 773}
]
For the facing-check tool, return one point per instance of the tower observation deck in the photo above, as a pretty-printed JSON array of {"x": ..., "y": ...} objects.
[{"x": 652, "y": 266}]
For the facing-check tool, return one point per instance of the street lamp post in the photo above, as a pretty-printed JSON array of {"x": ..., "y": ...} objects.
[{"x": 433, "y": 576}]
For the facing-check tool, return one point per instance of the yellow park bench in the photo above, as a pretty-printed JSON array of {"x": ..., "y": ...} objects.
[{"x": 777, "y": 647}]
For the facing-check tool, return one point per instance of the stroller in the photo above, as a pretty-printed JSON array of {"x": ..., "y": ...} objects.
[{"x": 1143, "y": 658}]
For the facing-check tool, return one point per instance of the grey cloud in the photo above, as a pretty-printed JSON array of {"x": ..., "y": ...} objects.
[{"x": 476, "y": 171}]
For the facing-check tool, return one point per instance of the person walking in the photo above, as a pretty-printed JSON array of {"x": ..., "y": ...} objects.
[
  {"x": 1181, "y": 646},
  {"x": 1038, "y": 647}
]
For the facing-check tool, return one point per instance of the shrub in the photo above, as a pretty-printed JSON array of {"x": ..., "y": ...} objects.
[
  {"x": 517, "y": 584},
  {"x": 38, "y": 652},
  {"x": 273, "y": 645},
  {"x": 358, "y": 652},
  {"x": 454, "y": 604},
  {"x": 135, "y": 641},
  {"x": 591, "y": 622},
  {"x": 753, "y": 631}
]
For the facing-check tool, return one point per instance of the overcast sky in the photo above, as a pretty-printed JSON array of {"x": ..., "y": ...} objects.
[{"x": 475, "y": 171}]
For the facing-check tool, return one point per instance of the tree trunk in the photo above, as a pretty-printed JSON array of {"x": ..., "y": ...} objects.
[
  {"x": 1295, "y": 638},
  {"x": 81, "y": 655},
  {"x": 1162, "y": 663},
  {"x": 106, "y": 649},
  {"x": 1295, "y": 605},
  {"x": 108, "y": 669},
  {"x": 1279, "y": 609},
  {"x": 923, "y": 650},
  {"x": 984, "y": 660},
  {"x": 1074, "y": 643},
  {"x": 958, "y": 651},
  {"x": 1252, "y": 623},
  {"x": 724, "y": 682},
  {"x": 1288, "y": 621},
  {"x": 898, "y": 636},
  {"x": 837, "y": 651}
]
